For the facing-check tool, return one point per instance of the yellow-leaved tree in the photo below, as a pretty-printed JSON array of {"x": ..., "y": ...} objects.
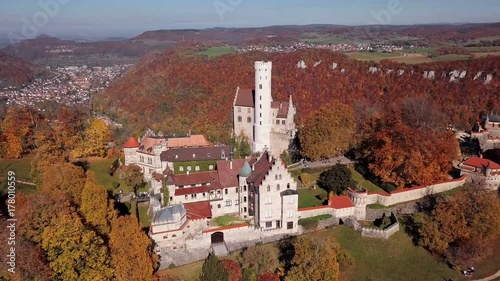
[
  {"x": 131, "y": 250},
  {"x": 96, "y": 208},
  {"x": 75, "y": 252},
  {"x": 94, "y": 139},
  {"x": 327, "y": 131}
]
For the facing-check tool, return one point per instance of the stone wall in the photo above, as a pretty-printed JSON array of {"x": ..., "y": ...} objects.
[
  {"x": 315, "y": 211},
  {"x": 380, "y": 233},
  {"x": 403, "y": 195},
  {"x": 373, "y": 232}
]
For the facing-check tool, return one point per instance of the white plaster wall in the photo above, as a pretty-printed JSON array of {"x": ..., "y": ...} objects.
[
  {"x": 243, "y": 126},
  {"x": 263, "y": 101},
  {"x": 130, "y": 155}
]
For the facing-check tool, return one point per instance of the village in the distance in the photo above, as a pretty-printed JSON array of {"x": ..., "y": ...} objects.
[{"x": 274, "y": 153}]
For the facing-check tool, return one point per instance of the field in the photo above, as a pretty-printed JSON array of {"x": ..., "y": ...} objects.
[
  {"x": 309, "y": 222},
  {"x": 144, "y": 217},
  {"x": 485, "y": 54},
  {"x": 227, "y": 220},
  {"x": 22, "y": 168},
  {"x": 368, "y": 185},
  {"x": 371, "y": 56},
  {"x": 374, "y": 259},
  {"x": 100, "y": 167},
  {"x": 393, "y": 259},
  {"x": 451, "y": 58},
  {"x": 216, "y": 51},
  {"x": 310, "y": 197}
]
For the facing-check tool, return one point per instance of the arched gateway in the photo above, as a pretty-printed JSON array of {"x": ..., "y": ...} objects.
[{"x": 217, "y": 238}]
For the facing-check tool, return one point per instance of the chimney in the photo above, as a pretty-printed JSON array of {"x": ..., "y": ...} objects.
[{"x": 230, "y": 164}]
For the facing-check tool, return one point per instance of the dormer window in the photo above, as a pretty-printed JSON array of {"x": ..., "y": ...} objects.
[
  {"x": 222, "y": 154},
  {"x": 176, "y": 156},
  {"x": 208, "y": 155},
  {"x": 194, "y": 155}
]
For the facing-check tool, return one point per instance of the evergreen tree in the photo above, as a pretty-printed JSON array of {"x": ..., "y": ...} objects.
[{"x": 213, "y": 270}]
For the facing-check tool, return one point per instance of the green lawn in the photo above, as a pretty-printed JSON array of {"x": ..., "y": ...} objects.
[
  {"x": 374, "y": 259},
  {"x": 420, "y": 50},
  {"x": 216, "y": 51},
  {"x": 22, "y": 167},
  {"x": 100, "y": 167},
  {"x": 307, "y": 197},
  {"x": 368, "y": 185},
  {"x": 451, "y": 58},
  {"x": 227, "y": 220},
  {"x": 369, "y": 56},
  {"x": 393, "y": 259},
  {"x": 308, "y": 222},
  {"x": 144, "y": 217}
]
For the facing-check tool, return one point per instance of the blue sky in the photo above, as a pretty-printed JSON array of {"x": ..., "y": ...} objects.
[{"x": 107, "y": 18}]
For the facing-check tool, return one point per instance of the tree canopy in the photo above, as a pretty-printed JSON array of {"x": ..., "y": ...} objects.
[
  {"x": 336, "y": 179},
  {"x": 213, "y": 269},
  {"x": 327, "y": 131}
]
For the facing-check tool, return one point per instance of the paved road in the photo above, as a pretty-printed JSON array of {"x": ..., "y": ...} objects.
[
  {"x": 491, "y": 278},
  {"x": 323, "y": 163}
]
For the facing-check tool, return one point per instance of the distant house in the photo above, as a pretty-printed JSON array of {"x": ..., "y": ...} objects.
[
  {"x": 482, "y": 170},
  {"x": 488, "y": 132}
]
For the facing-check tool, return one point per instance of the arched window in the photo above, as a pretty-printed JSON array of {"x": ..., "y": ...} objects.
[
  {"x": 239, "y": 119},
  {"x": 276, "y": 177},
  {"x": 189, "y": 168},
  {"x": 280, "y": 177},
  {"x": 210, "y": 167},
  {"x": 278, "y": 187},
  {"x": 249, "y": 119},
  {"x": 268, "y": 188},
  {"x": 181, "y": 168},
  {"x": 173, "y": 236},
  {"x": 288, "y": 186},
  {"x": 197, "y": 167}
]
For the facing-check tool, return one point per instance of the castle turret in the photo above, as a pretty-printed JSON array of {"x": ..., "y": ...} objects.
[
  {"x": 263, "y": 99},
  {"x": 130, "y": 150}
]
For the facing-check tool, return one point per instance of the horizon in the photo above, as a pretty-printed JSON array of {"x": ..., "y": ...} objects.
[{"x": 70, "y": 19}]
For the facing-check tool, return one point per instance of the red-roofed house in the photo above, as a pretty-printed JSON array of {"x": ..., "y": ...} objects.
[{"x": 482, "y": 170}]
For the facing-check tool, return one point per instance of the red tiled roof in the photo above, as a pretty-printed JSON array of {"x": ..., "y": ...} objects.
[
  {"x": 148, "y": 143},
  {"x": 131, "y": 143},
  {"x": 340, "y": 202},
  {"x": 481, "y": 163},
  {"x": 191, "y": 141},
  {"x": 225, "y": 227},
  {"x": 197, "y": 178},
  {"x": 191, "y": 190},
  {"x": 418, "y": 187},
  {"x": 261, "y": 167},
  {"x": 282, "y": 108},
  {"x": 244, "y": 97},
  {"x": 229, "y": 177},
  {"x": 198, "y": 210}
]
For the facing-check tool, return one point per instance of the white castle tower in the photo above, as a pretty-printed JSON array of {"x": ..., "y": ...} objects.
[{"x": 263, "y": 99}]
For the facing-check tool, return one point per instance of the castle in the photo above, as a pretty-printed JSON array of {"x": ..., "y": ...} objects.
[
  {"x": 193, "y": 183},
  {"x": 268, "y": 124},
  {"x": 488, "y": 133}
]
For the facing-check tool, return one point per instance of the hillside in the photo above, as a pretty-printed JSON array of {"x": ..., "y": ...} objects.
[
  {"x": 425, "y": 34},
  {"x": 177, "y": 93},
  {"x": 14, "y": 71}
]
